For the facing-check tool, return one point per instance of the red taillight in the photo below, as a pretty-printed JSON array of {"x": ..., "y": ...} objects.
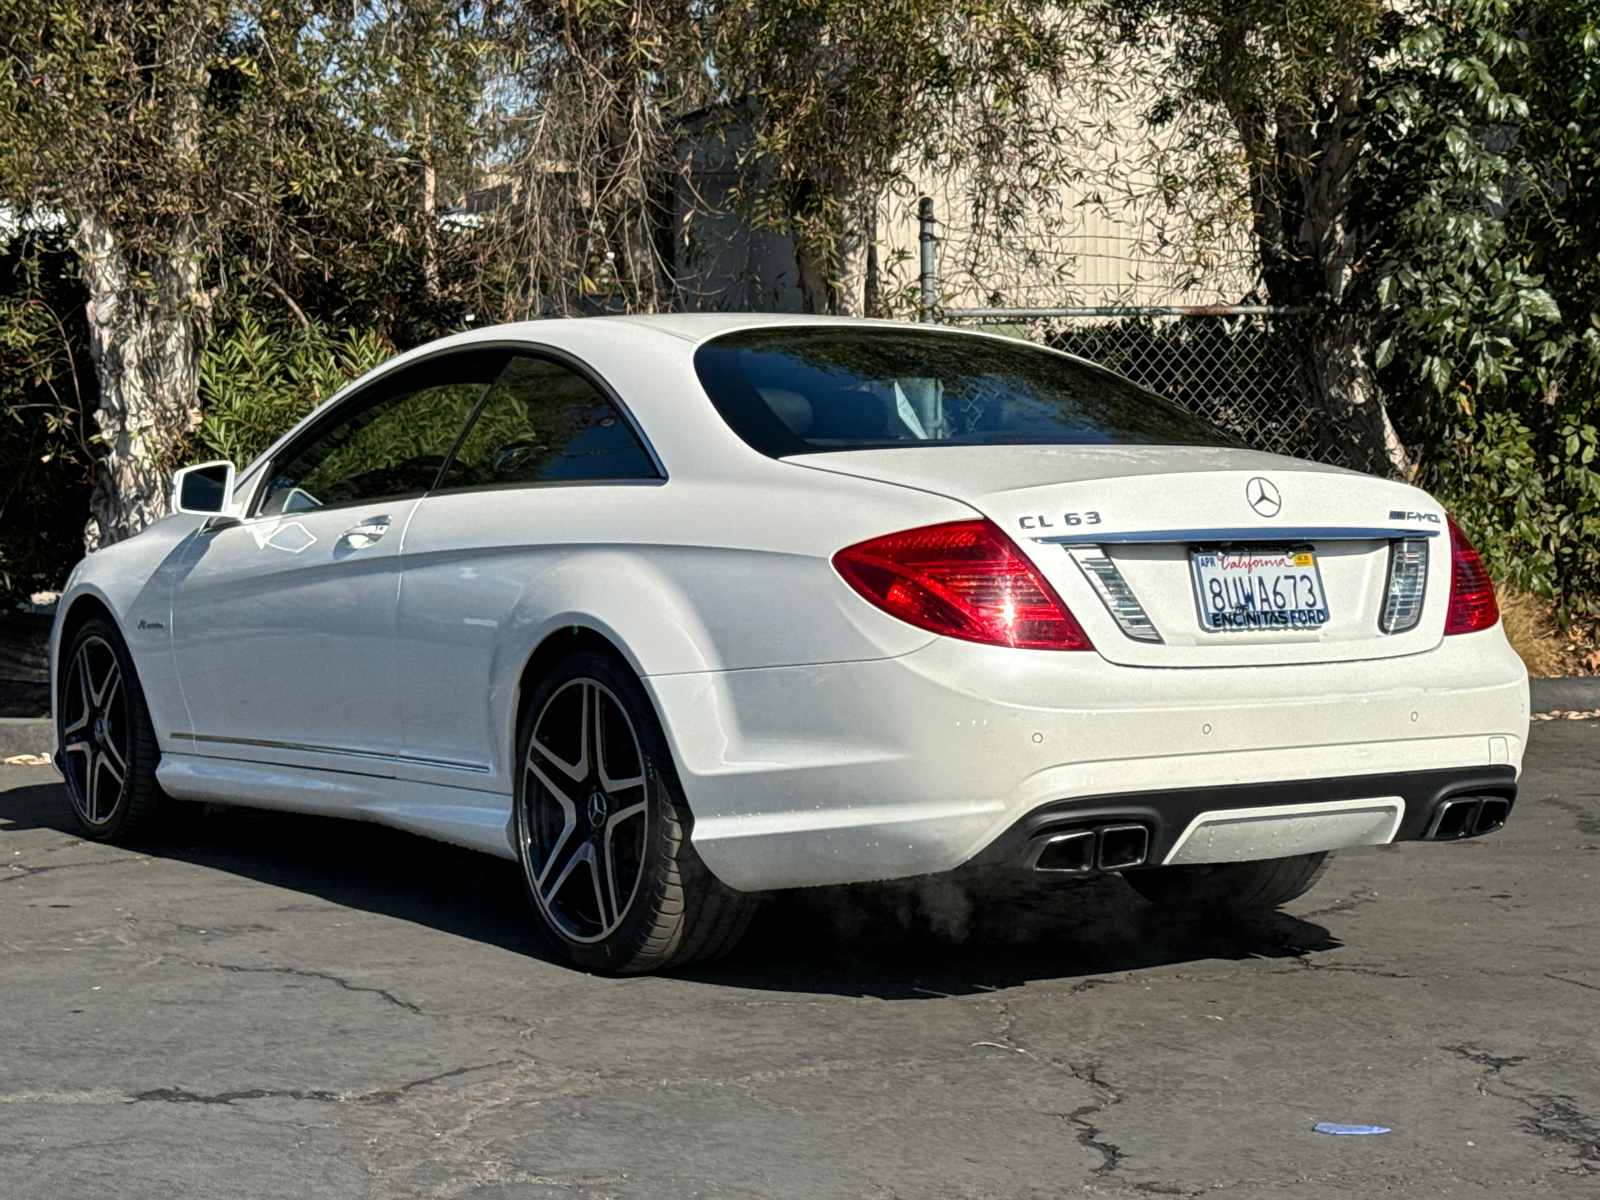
[
  {"x": 1472, "y": 602},
  {"x": 964, "y": 580}
]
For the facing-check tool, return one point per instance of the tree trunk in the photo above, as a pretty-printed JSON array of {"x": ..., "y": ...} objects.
[
  {"x": 1346, "y": 396},
  {"x": 1303, "y": 171},
  {"x": 818, "y": 294},
  {"x": 1326, "y": 155},
  {"x": 144, "y": 340}
]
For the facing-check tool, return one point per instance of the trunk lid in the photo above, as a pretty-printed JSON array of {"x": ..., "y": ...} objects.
[{"x": 1146, "y": 510}]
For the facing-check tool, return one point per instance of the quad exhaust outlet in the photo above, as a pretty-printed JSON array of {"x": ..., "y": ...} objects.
[
  {"x": 1087, "y": 850},
  {"x": 1467, "y": 816}
]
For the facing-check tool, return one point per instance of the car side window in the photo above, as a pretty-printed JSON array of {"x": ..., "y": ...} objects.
[
  {"x": 394, "y": 445},
  {"x": 544, "y": 423}
]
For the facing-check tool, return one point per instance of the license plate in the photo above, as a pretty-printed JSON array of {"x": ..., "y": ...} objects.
[{"x": 1258, "y": 589}]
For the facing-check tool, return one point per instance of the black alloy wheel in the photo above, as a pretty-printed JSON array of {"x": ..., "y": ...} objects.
[
  {"x": 602, "y": 829},
  {"x": 108, "y": 750}
]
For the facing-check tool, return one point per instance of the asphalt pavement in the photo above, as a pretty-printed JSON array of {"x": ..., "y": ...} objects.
[{"x": 286, "y": 1006}]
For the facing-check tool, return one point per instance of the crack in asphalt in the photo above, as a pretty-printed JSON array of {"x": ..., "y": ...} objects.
[
  {"x": 22, "y": 872},
  {"x": 304, "y": 974},
  {"x": 1305, "y": 964},
  {"x": 1088, "y": 1133},
  {"x": 1493, "y": 1064},
  {"x": 1573, "y": 982},
  {"x": 172, "y": 1095},
  {"x": 1556, "y": 1116},
  {"x": 1354, "y": 900}
]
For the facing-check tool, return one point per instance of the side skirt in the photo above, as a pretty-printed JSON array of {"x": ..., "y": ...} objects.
[{"x": 461, "y": 816}]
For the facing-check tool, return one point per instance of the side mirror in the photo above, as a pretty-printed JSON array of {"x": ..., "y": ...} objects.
[{"x": 204, "y": 489}]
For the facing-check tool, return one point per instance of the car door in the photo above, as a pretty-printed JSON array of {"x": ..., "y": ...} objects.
[
  {"x": 551, "y": 461},
  {"x": 284, "y": 624}
]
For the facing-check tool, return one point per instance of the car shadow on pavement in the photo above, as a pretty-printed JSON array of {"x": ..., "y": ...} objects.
[
  {"x": 955, "y": 935},
  {"x": 911, "y": 939}
]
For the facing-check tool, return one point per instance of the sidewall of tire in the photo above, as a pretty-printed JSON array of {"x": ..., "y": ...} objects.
[{"x": 1222, "y": 888}]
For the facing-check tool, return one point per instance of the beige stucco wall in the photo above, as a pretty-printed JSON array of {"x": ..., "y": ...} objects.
[{"x": 1099, "y": 238}]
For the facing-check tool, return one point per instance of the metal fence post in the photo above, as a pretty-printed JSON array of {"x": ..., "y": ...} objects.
[{"x": 928, "y": 278}]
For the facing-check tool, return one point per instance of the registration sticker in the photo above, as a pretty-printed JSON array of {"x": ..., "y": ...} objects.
[{"x": 1244, "y": 589}]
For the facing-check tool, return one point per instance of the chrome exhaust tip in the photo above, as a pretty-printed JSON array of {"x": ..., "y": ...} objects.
[
  {"x": 1492, "y": 815},
  {"x": 1086, "y": 851},
  {"x": 1064, "y": 853},
  {"x": 1467, "y": 816},
  {"x": 1123, "y": 846}
]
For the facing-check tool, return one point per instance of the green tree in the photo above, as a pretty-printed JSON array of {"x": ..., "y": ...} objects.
[
  {"x": 1426, "y": 174},
  {"x": 842, "y": 96},
  {"x": 1490, "y": 281},
  {"x": 192, "y": 146}
]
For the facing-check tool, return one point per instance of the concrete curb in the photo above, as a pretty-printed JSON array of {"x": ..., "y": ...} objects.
[
  {"x": 1579, "y": 693},
  {"x": 25, "y": 735}
]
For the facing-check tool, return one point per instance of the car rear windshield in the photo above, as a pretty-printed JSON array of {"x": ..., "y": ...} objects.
[{"x": 806, "y": 390}]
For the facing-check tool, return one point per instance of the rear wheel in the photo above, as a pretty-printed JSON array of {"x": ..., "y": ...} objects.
[
  {"x": 602, "y": 829},
  {"x": 108, "y": 746},
  {"x": 1230, "y": 887}
]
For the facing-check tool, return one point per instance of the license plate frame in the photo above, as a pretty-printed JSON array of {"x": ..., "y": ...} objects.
[{"x": 1258, "y": 589}]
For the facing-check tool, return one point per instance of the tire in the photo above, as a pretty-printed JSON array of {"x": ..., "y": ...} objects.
[
  {"x": 602, "y": 829},
  {"x": 1230, "y": 887},
  {"x": 108, "y": 750}
]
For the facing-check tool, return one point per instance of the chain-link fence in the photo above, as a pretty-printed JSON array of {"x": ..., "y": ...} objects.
[
  {"x": 1246, "y": 368},
  {"x": 1241, "y": 368}
]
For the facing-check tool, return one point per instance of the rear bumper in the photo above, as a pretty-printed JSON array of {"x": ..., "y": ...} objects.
[
  {"x": 1261, "y": 820},
  {"x": 846, "y": 772}
]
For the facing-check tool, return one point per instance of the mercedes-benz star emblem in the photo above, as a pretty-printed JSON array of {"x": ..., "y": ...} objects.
[{"x": 1263, "y": 497}]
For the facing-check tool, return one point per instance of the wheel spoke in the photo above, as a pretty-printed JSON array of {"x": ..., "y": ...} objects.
[
  {"x": 583, "y": 854},
  {"x": 569, "y": 808},
  {"x": 618, "y": 903},
  {"x": 99, "y": 767},
  {"x": 107, "y": 685},
  {"x": 610, "y": 785},
  {"x": 607, "y": 914},
  {"x": 565, "y": 841},
  {"x": 622, "y": 815},
  {"x": 85, "y": 709},
  {"x": 580, "y": 769},
  {"x": 83, "y": 680},
  {"x": 113, "y": 689},
  {"x": 114, "y": 754}
]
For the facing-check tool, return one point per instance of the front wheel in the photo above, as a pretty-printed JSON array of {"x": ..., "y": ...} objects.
[
  {"x": 108, "y": 750},
  {"x": 1230, "y": 887},
  {"x": 602, "y": 829}
]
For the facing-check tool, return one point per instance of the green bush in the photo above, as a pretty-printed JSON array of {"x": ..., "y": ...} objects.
[
  {"x": 256, "y": 380},
  {"x": 1520, "y": 476}
]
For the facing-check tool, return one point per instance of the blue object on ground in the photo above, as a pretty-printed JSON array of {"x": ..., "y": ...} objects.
[{"x": 1349, "y": 1130}]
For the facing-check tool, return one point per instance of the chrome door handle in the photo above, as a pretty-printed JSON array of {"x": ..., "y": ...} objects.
[{"x": 366, "y": 532}]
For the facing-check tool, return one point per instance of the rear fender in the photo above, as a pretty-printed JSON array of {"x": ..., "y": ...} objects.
[{"x": 621, "y": 597}]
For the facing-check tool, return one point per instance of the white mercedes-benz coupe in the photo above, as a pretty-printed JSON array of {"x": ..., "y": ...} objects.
[{"x": 674, "y": 610}]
